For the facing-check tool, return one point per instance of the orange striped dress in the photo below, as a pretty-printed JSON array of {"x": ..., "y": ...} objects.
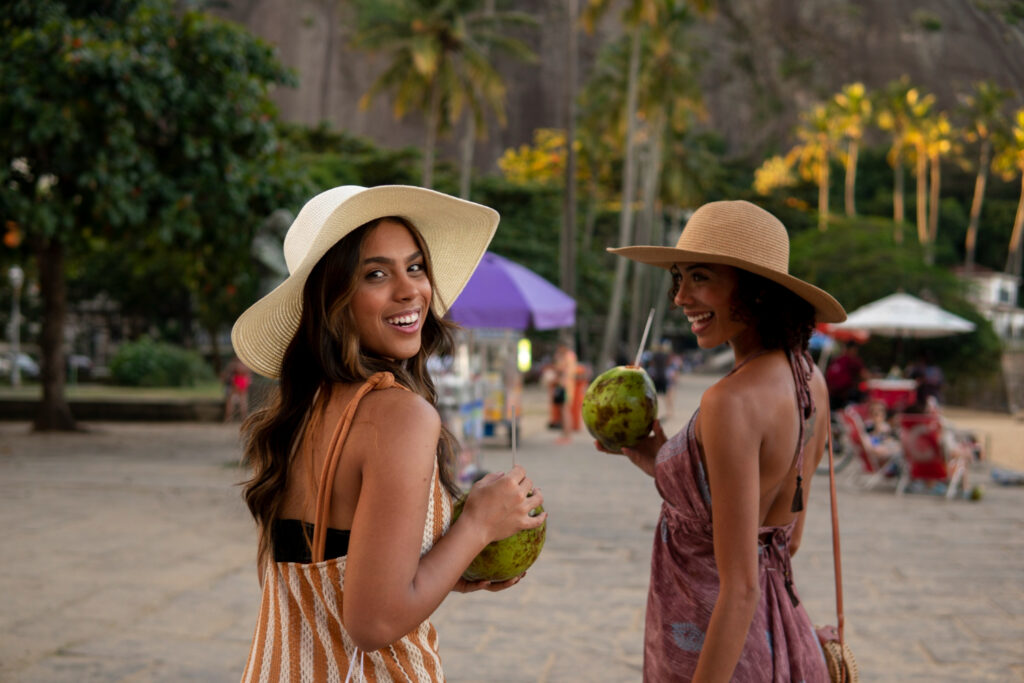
[{"x": 299, "y": 633}]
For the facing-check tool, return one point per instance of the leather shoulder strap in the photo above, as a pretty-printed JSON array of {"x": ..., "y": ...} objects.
[
  {"x": 835, "y": 537},
  {"x": 380, "y": 380}
]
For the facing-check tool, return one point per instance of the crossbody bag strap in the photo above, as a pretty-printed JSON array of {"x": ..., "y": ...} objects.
[
  {"x": 835, "y": 536},
  {"x": 380, "y": 380}
]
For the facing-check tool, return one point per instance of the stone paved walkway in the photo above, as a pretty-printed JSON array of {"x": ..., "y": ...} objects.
[{"x": 128, "y": 556}]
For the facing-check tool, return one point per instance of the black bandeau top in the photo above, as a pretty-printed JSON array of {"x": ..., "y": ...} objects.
[{"x": 290, "y": 544}]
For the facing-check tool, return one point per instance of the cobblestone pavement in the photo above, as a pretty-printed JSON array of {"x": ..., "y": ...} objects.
[{"x": 128, "y": 556}]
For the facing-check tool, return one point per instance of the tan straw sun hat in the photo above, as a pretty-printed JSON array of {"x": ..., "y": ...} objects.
[
  {"x": 456, "y": 232},
  {"x": 743, "y": 235}
]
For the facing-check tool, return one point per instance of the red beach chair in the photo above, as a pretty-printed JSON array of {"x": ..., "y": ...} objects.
[
  {"x": 925, "y": 454},
  {"x": 874, "y": 462}
]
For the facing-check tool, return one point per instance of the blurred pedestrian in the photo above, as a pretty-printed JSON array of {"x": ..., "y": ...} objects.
[
  {"x": 565, "y": 390},
  {"x": 351, "y": 485},
  {"x": 721, "y": 603},
  {"x": 237, "y": 379}
]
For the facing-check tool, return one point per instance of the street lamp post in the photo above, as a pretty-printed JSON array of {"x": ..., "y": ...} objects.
[{"x": 17, "y": 277}]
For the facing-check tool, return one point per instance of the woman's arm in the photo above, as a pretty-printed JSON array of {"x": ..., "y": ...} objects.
[
  {"x": 731, "y": 444},
  {"x": 389, "y": 588}
]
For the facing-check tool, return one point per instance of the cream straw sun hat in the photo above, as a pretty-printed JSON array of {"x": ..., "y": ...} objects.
[
  {"x": 743, "y": 235},
  {"x": 456, "y": 232}
]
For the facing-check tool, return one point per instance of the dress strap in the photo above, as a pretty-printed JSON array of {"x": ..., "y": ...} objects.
[
  {"x": 802, "y": 366},
  {"x": 379, "y": 380}
]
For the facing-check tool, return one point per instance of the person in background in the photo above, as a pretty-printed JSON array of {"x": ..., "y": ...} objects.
[
  {"x": 662, "y": 372},
  {"x": 722, "y": 604},
  {"x": 357, "y": 546},
  {"x": 237, "y": 379},
  {"x": 844, "y": 376},
  {"x": 565, "y": 366}
]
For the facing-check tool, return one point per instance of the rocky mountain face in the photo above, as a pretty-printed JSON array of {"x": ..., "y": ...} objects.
[{"x": 765, "y": 61}]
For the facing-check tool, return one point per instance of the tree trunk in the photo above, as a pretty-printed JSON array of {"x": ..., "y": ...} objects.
[
  {"x": 430, "y": 143},
  {"x": 922, "y": 196},
  {"x": 1015, "y": 259},
  {"x": 933, "y": 209},
  {"x": 466, "y": 162},
  {"x": 971, "y": 243},
  {"x": 568, "y": 236},
  {"x": 611, "y": 331},
  {"x": 823, "y": 182},
  {"x": 644, "y": 276},
  {"x": 661, "y": 300},
  {"x": 329, "y": 49},
  {"x": 54, "y": 413},
  {"x": 851, "y": 177},
  {"x": 898, "y": 211}
]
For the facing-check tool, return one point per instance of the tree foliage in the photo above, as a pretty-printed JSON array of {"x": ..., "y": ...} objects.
[{"x": 133, "y": 127}]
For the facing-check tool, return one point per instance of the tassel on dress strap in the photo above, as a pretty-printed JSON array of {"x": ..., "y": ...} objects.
[
  {"x": 379, "y": 380},
  {"x": 801, "y": 365}
]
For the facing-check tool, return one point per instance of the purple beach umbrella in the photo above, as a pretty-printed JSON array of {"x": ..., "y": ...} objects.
[{"x": 504, "y": 294}]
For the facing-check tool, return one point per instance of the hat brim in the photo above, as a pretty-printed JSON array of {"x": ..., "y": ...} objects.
[
  {"x": 457, "y": 233},
  {"x": 826, "y": 308}
]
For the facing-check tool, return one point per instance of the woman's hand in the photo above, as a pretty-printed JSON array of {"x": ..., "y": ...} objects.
[
  {"x": 644, "y": 451},
  {"x": 500, "y": 504},
  {"x": 463, "y": 586}
]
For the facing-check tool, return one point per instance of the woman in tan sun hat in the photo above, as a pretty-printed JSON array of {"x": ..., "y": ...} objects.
[
  {"x": 721, "y": 603},
  {"x": 350, "y": 485}
]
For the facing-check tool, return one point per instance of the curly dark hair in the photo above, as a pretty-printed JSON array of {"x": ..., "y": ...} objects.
[{"x": 782, "y": 319}]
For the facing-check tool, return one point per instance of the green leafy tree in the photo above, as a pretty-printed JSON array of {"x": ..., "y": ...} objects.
[
  {"x": 132, "y": 126},
  {"x": 983, "y": 109},
  {"x": 858, "y": 265},
  {"x": 440, "y": 61}
]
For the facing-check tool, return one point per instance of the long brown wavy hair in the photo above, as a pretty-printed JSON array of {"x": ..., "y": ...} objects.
[{"x": 325, "y": 351}]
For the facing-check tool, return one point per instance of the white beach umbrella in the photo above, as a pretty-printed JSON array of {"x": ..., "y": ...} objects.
[{"x": 902, "y": 315}]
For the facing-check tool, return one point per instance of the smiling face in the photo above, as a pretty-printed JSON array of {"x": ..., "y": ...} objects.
[
  {"x": 392, "y": 295},
  {"x": 706, "y": 293}
]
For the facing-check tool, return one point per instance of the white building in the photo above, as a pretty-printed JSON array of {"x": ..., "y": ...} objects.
[{"x": 995, "y": 296}]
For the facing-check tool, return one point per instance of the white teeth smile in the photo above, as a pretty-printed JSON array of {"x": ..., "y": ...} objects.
[
  {"x": 699, "y": 318},
  {"x": 407, "y": 319}
]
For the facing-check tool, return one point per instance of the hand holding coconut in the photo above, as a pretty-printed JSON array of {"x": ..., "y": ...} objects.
[{"x": 509, "y": 512}]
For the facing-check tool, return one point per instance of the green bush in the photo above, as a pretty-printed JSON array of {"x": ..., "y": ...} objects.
[{"x": 146, "y": 363}]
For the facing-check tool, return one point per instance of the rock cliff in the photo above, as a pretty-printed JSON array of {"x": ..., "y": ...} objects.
[{"x": 766, "y": 60}]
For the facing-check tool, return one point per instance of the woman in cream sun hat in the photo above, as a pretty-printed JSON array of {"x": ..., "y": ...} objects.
[
  {"x": 721, "y": 603},
  {"x": 350, "y": 486}
]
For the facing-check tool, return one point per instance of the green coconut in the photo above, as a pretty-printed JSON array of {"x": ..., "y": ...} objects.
[
  {"x": 508, "y": 558},
  {"x": 620, "y": 406}
]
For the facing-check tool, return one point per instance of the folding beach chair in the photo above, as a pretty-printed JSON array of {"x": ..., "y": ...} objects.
[
  {"x": 925, "y": 454},
  {"x": 876, "y": 463}
]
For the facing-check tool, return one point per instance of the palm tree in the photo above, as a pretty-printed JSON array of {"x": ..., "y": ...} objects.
[
  {"x": 896, "y": 105},
  {"x": 1009, "y": 161},
  {"x": 938, "y": 138},
  {"x": 984, "y": 112},
  {"x": 439, "y": 62},
  {"x": 918, "y": 123},
  {"x": 853, "y": 111},
  {"x": 637, "y": 15},
  {"x": 816, "y": 135}
]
